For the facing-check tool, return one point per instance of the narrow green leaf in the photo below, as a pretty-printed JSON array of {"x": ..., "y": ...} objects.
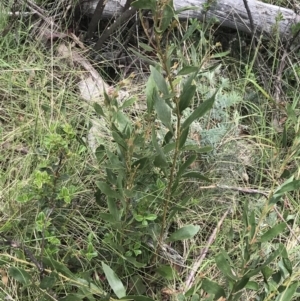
[
  {"x": 86, "y": 293},
  {"x": 187, "y": 93},
  {"x": 92, "y": 288},
  {"x": 114, "y": 161},
  {"x": 160, "y": 162},
  {"x": 146, "y": 46},
  {"x": 252, "y": 285},
  {"x": 196, "y": 175},
  {"x": 72, "y": 297},
  {"x": 114, "y": 281},
  {"x": 214, "y": 288},
  {"x": 175, "y": 185},
  {"x": 288, "y": 265},
  {"x": 167, "y": 17},
  {"x": 48, "y": 282},
  {"x": 117, "y": 137},
  {"x": 185, "y": 8},
  {"x": 160, "y": 81},
  {"x": 284, "y": 137},
  {"x": 111, "y": 176},
  {"x": 169, "y": 147},
  {"x": 200, "y": 111},
  {"x": 220, "y": 54},
  {"x": 99, "y": 197},
  {"x": 185, "y": 165},
  {"x": 107, "y": 99},
  {"x": 252, "y": 224},
  {"x": 273, "y": 232},
  {"x": 270, "y": 259},
  {"x": 135, "y": 262},
  {"x": 141, "y": 163},
  {"x": 144, "y": 58},
  {"x": 149, "y": 91},
  {"x": 190, "y": 30},
  {"x": 113, "y": 208},
  {"x": 124, "y": 122},
  {"x": 98, "y": 109},
  {"x": 240, "y": 284},
  {"x": 180, "y": 208},
  {"x": 291, "y": 112},
  {"x": 160, "y": 159},
  {"x": 138, "y": 284},
  {"x": 275, "y": 199},
  {"x": 151, "y": 217},
  {"x": 267, "y": 273},
  {"x": 183, "y": 137},
  {"x": 58, "y": 266},
  {"x": 246, "y": 251},
  {"x": 197, "y": 149},
  {"x": 223, "y": 265},
  {"x": 139, "y": 217},
  {"x": 281, "y": 251},
  {"x": 120, "y": 183},
  {"x": 137, "y": 298},
  {"x": 195, "y": 297},
  {"x": 144, "y": 4},
  {"x": 168, "y": 138},
  {"x": 187, "y": 70},
  {"x": 245, "y": 217},
  {"x": 295, "y": 28},
  {"x": 289, "y": 292},
  {"x": 287, "y": 186},
  {"x": 276, "y": 277},
  {"x": 166, "y": 272},
  {"x": 107, "y": 190},
  {"x": 20, "y": 275},
  {"x": 107, "y": 217},
  {"x": 186, "y": 98},
  {"x": 163, "y": 111},
  {"x": 237, "y": 296},
  {"x": 169, "y": 60},
  {"x": 284, "y": 252},
  {"x": 139, "y": 139},
  {"x": 129, "y": 102},
  {"x": 185, "y": 232},
  {"x": 100, "y": 154}
]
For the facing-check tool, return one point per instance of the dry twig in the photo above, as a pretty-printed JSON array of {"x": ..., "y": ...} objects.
[{"x": 192, "y": 275}]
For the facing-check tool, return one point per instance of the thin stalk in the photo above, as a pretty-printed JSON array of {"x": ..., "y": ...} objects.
[{"x": 163, "y": 59}]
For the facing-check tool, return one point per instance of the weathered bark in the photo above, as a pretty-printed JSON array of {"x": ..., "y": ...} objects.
[{"x": 229, "y": 13}]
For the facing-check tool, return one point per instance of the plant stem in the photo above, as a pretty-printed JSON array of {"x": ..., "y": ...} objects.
[{"x": 163, "y": 59}]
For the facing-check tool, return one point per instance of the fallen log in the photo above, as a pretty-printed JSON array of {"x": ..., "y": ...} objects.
[{"x": 266, "y": 18}]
